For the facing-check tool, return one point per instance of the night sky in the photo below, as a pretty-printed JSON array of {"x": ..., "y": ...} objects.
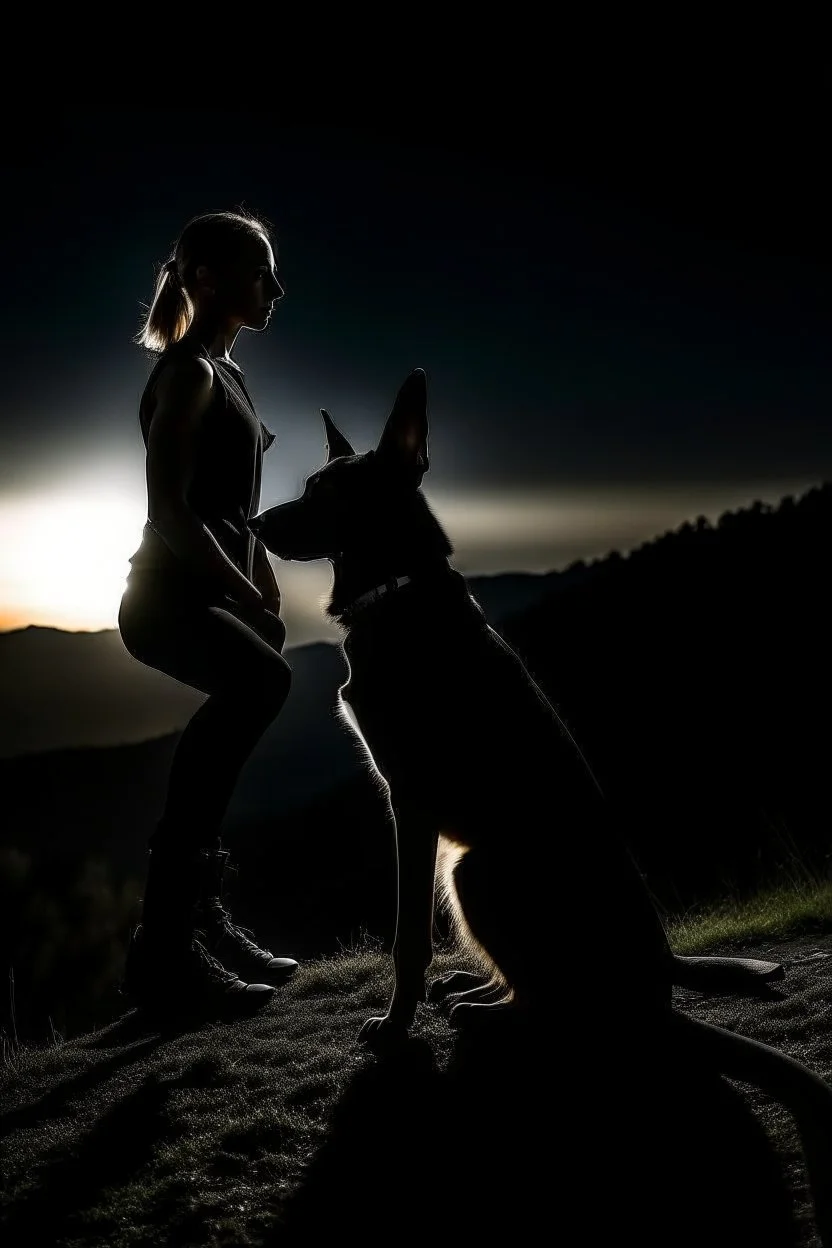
[{"x": 618, "y": 334}]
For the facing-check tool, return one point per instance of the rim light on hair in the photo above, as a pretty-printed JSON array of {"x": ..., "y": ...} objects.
[{"x": 212, "y": 239}]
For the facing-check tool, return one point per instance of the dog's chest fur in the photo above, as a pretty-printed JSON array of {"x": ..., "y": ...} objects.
[{"x": 448, "y": 712}]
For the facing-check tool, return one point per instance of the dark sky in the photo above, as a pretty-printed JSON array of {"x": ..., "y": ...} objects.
[{"x": 633, "y": 309}]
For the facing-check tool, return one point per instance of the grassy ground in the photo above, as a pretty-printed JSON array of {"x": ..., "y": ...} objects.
[
  {"x": 284, "y": 1130},
  {"x": 777, "y": 913}
]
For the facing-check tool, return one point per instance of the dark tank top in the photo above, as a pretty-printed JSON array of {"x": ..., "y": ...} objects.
[{"x": 225, "y": 487}]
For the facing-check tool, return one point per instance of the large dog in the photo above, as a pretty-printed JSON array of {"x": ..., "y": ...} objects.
[{"x": 495, "y": 807}]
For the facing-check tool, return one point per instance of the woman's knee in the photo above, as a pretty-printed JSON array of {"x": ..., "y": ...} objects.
[
  {"x": 133, "y": 631},
  {"x": 272, "y": 685}
]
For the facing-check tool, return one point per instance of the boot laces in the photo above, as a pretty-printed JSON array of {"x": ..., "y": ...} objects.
[
  {"x": 214, "y": 968},
  {"x": 219, "y": 916}
]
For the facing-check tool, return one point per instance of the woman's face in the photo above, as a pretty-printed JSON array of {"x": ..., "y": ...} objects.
[{"x": 249, "y": 288}]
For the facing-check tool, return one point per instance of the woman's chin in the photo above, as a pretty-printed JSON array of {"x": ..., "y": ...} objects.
[{"x": 259, "y": 321}]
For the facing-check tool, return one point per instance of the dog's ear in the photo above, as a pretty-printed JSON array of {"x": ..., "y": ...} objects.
[
  {"x": 405, "y": 436},
  {"x": 336, "y": 443}
]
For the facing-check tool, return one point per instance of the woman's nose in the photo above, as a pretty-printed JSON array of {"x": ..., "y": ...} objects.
[{"x": 279, "y": 292}]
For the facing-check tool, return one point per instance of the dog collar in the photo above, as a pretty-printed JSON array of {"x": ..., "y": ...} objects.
[{"x": 373, "y": 595}]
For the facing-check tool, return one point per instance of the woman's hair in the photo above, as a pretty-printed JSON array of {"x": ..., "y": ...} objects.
[{"x": 213, "y": 239}]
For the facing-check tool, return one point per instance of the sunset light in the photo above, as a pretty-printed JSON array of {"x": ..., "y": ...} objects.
[
  {"x": 64, "y": 556},
  {"x": 64, "y": 553}
]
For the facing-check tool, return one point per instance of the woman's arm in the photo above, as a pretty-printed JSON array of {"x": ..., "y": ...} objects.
[{"x": 183, "y": 393}]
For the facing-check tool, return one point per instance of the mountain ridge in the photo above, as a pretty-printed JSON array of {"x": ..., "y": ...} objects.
[{"x": 48, "y": 673}]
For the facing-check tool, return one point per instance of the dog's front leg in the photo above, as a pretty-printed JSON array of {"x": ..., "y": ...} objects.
[{"x": 416, "y": 843}]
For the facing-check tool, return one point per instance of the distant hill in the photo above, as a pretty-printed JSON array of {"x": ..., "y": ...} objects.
[
  {"x": 107, "y": 798},
  {"x": 63, "y": 690},
  {"x": 696, "y": 675},
  {"x": 60, "y": 686}
]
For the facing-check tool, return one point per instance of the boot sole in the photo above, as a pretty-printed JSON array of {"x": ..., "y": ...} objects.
[
  {"x": 169, "y": 1009},
  {"x": 276, "y": 978}
]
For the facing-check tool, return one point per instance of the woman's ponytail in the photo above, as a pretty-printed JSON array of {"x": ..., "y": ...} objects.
[{"x": 170, "y": 313}]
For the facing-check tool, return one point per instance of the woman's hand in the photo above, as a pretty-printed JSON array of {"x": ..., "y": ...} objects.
[
  {"x": 275, "y": 630},
  {"x": 248, "y": 595},
  {"x": 264, "y": 578},
  {"x": 264, "y": 620},
  {"x": 269, "y": 625},
  {"x": 270, "y": 602}
]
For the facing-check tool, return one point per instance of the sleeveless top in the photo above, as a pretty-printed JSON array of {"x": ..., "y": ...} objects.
[{"x": 225, "y": 487}]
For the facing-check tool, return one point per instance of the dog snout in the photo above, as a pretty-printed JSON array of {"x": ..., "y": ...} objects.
[
  {"x": 267, "y": 529},
  {"x": 284, "y": 531}
]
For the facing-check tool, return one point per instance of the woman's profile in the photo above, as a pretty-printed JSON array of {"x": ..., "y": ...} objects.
[{"x": 201, "y": 604}]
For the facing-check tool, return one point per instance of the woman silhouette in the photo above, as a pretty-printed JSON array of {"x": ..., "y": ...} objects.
[{"x": 201, "y": 603}]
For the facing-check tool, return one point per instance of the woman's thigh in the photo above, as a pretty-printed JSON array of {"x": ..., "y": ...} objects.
[{"x": 201, "y": 643}]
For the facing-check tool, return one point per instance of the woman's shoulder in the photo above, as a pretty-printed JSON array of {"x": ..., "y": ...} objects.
[
  {"x": 182, "y": 379},
  {"x": 183, "y": 366},
  {"x": 188, "y": 352}
]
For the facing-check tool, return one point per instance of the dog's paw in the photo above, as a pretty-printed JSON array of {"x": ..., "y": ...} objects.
[
  {"x": 382, "y": 1033},
  {"x": 497, "y": 1017},
  {"x": 455, "y": 981}
]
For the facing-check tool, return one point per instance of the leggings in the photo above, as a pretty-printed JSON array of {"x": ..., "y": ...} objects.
[{"x": 232, "y": 654}]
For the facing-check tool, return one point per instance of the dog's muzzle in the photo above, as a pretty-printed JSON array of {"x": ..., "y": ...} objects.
[{"x": 290, "y": 532}]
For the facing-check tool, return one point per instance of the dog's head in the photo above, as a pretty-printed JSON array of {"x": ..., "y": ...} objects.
[{"x": 346, "y": 503}]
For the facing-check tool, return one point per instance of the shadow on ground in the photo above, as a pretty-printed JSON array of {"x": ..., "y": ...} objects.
[
  {"x": 120, "y": 1143},
  {"x": 597, "y": 1146}
]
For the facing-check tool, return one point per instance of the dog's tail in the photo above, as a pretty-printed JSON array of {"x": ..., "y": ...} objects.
[{"x": 806, "y": 1095}]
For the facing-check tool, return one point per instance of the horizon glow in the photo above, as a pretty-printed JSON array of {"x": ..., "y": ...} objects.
[{"x": 65, "y": 548}]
